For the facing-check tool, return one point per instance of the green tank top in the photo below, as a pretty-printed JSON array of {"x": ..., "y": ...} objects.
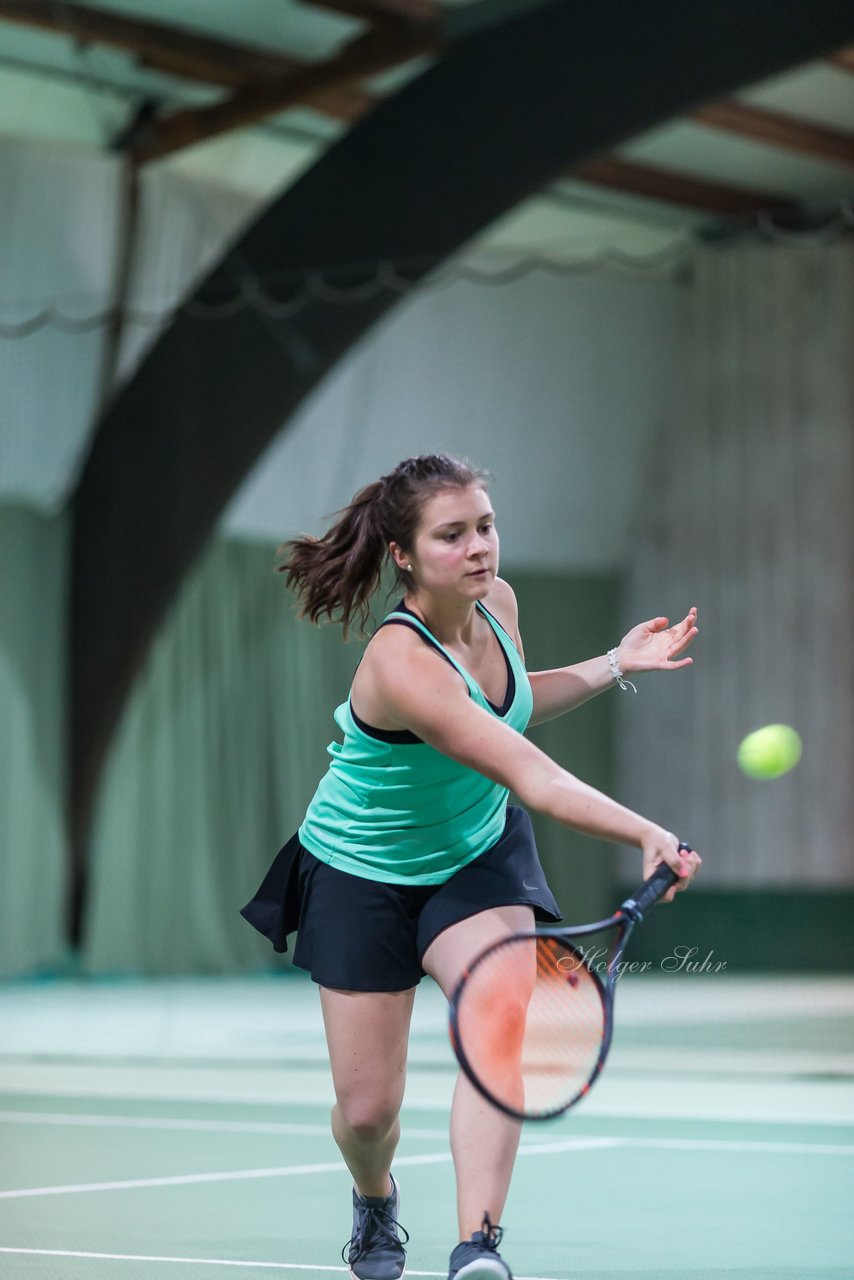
[{"x": 393, "y": 808}]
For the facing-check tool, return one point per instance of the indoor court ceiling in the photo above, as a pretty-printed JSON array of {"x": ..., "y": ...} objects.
[{"x": 251, "y": 94}]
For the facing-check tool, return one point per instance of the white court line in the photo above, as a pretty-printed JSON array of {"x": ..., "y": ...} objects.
[
  {"x": 288, "y": 1171},
  {"x": 210, "y": 1262},
  {"x": 696, "y": 1144},
  {"x": 733, "y": 1116},
  {"x": 202, "y": 1126},
  {"x": 591, "y": 1110},
  {"x": 177, "y": 1180},
  {"x": 441, "y": 1157},
  {"x": 438, "y": 1157},
  {"x": 215, "y": 1262}
]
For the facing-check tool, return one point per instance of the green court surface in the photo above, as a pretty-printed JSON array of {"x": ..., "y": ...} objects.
[{"x": 151, "y": 1130}]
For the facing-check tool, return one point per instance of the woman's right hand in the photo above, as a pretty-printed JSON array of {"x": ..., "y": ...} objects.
[{"x": 660, "y": 846}]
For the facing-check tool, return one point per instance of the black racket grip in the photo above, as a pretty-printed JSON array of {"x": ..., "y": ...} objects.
[{"x": 662, "y": 878}]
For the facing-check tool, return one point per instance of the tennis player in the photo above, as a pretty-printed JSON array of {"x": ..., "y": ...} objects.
[{"x": 410, "y": 860}]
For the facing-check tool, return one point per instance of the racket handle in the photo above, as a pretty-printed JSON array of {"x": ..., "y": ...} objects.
[{"x": 662, "y": 878}]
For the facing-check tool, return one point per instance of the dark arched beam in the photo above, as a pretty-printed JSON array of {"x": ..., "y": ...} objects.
[{"x": 530, "y": 91}]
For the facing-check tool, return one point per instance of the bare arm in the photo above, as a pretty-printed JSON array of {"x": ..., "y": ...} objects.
[
  {"x": 650, "y": 646},
  {"x": 422, "y": 693},
  {"x": 564, "y": 688}
]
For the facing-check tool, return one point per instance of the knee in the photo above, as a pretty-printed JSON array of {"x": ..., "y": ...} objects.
[{"x": 367, "y": 1119}]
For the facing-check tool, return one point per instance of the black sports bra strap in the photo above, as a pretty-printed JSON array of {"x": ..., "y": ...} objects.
[
  {"x": 425, "y": 636},
  {"x": 419, "y": 627}
]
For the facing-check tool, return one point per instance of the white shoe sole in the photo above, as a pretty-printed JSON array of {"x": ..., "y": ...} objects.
[
  {"x": 353, "y": 1275},
  {"x": 483, "y": 1269}
]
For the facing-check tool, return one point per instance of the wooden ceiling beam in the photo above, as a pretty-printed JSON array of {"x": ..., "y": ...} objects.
[
  {"x": 270, "y": 82},
  {"x": 158, "y": 45},
  {"x": 778, "y": 130},
  {"x": 672, "y": 187},
  {"x": 369, "y": 54},
  {"x": 418, "y": 11},
  {"x": 345, "y": 102},
  {"x": 181, "y": 52},
  {"x": 843, "y": 58}
]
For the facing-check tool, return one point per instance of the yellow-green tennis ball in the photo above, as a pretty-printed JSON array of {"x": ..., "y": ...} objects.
[{"x": 769, "y": 752}]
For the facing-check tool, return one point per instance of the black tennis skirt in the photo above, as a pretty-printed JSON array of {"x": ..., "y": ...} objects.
[{"x": 355, "y": 934}]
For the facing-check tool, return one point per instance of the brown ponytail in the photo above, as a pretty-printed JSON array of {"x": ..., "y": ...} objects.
[{"x": 336, "y": 575}]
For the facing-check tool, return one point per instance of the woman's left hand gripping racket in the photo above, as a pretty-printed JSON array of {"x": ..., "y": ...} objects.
[{"x": 531, "y": 1023}]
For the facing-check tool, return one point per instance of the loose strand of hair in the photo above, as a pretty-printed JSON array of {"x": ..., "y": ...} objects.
[{"x": 337, "y": 574}]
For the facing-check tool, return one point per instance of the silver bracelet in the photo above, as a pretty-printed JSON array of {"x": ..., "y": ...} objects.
[{"x": 617, "y": 671}]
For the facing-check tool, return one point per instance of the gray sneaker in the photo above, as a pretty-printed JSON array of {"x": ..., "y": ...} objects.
[
  {"x": 375, "y": 1250},
  {"x": 478, "y": 1258}
]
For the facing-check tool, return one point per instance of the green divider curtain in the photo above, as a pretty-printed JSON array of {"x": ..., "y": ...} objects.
[
  {"x": 219, "y": 751},
  {"x": 223, "y": 744},
  {"x": 566, "y": 618},
  {"x": 32, "y": 847}
]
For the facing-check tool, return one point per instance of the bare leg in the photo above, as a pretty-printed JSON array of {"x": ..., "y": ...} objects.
[
  {"x": 483, "y": 1141},
  {"x": 367, "y": 1034}
]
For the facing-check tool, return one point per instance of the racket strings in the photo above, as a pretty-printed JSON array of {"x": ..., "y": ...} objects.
[{"x": 530, "y": 1020}]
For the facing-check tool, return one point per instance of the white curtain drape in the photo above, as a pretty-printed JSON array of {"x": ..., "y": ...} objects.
[
  {"x": 58, "y": 246},
  {"x": 181, "y": 229},
  {"x": 746, "y": 509},
  {"x": 62, "y": 221},
  {"x": 553, "y": 382}
]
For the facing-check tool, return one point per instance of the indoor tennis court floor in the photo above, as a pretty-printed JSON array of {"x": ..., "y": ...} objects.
[{"x": 152, "y": 1130}]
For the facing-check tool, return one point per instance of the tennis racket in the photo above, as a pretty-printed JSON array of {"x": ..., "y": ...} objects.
[{"x": 531, "y": 1021}]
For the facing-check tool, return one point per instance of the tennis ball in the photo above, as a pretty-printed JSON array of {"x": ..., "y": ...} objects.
[{"x": 769, "y": 752}]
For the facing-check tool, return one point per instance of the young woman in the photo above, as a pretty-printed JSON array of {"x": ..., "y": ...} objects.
[{"x": 409, "y": 860}]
